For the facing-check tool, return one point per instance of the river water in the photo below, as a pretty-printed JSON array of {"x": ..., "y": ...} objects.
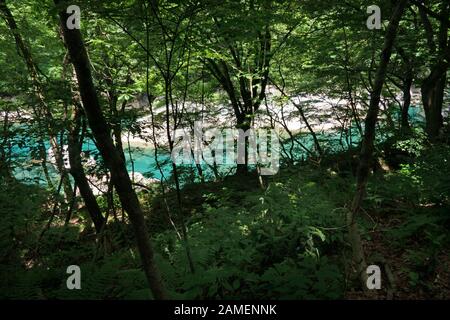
[{"x": 141, "y": 160}]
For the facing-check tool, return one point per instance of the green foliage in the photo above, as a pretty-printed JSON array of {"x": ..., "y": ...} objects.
[
  {"x": 20, "y": 208},
  {"x": 271, "y": 238},
  {"x": 414, "y": 144},
  {"x": 221, "y": 61}
]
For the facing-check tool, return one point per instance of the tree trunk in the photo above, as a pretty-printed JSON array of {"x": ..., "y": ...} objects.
[
  {"x": 368, "y": 143},
  {"x": 111, "y": 156},
  {"x": 43, "y": 155},
  {"x": 406, "y": 103},
  {"x": 407, "y": 82},
  {"x": 78, "y": 174},
  {"x": 249, "y": 92},
  {"x": 434, "y": 85},
  {"x": 6, "y": 171},
  {"x": 242, "y": 163},
  {"x": 433, "y": 98},
  {"x": 39, "y": 93}
]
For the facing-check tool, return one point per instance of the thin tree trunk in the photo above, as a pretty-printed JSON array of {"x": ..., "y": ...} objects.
[
  {"x": 406, "y": 88},
  {"x": 110, "y": 154},
  {"x": 367, "y": 149},
  {"x": 168, "y": 98},
  {"x": 78, "y": 174},
  {"x": 432, "y": 98},
  {"x": 433, "y": 86},
  {"x": 43, "y": 155},
  {"x": 39, "y": 92},
  {"x": 299, "y": 108},
  {"x": 242, "y": 163},
  {"x": 75, "y": 145},
  {"x": 406, "y": 102},
  {"x": 6, "y": 171}
]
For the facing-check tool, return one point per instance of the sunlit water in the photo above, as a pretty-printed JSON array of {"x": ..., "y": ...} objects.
[{"x": 142, "y": 160}]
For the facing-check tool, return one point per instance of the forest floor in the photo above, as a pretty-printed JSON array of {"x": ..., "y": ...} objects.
[
  {"x": 286, "y": 241},
  {"x": 415, "y": 272}
]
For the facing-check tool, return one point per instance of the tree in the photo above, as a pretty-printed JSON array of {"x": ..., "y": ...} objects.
[
  {"x": 367, "y": 148},
  {"x": 113, "y": 159},
  {"x": 239, "y": 58},
  {"x": 434, "y": 84},
  {"x": 77, "y": 171},
  {"x": 43, "y": 110}
]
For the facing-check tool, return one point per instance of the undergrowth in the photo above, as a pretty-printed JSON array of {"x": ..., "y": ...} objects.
[{"x": 285, "y": 242}]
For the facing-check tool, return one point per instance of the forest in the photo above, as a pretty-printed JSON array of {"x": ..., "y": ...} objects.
[{"x": 224, "y": 150}]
